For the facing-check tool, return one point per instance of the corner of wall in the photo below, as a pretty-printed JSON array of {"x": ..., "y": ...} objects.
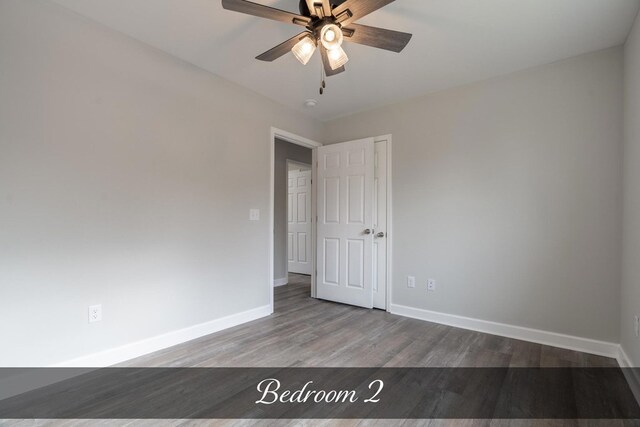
[{"x": 630, "y": 282}]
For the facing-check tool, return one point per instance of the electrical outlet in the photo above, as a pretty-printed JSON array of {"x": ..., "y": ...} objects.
[
  {"x": 411, "y": 282},
  {"x": 254, "y": 214},
  {"x": 95, "y": 313},
  {"x": 636, "y": 325},
  {"x": 431, "y": 285}
]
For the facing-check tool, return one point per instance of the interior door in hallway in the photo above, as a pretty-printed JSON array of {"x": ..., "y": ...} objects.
[
  {"x": 345, "y": 194},
  {"x": 299, "y": 221}
]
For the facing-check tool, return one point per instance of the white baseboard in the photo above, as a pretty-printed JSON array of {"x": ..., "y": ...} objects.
[
  {"x": 280, "y": 282},
  {"x": 623, "y": 359},
  {"x": 585, "y": 345},
  {"x": 632, "y": 375},
  {"x": 140, "y": 348}
]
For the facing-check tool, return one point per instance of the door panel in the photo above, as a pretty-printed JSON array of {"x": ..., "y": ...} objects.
[
  {"x": 301, "y": 205},
  {"x": 290, "y": 247},
  {"x": 302, "y": 247},
  {"x": 345, "y": 210},
  {"x": 355, "y": 199},
  {"x": 332, "y": 200},
  {"x": 331, "y": 270},
  {"x": 299, "y": 222},
  {"x": 355, "y": 263}
]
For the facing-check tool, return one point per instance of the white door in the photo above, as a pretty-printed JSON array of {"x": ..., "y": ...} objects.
[
  {"x": 299, "y": 220},
  {"x": 380, "y": 226},
  {"x": 345, "y": 207}
]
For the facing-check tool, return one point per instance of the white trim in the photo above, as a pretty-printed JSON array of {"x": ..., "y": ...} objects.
[
  {"x": 140, "y": 348},
  {"x": 569, "y": 342},
  {"x": 623, "y": 359},
  {"x": 314, "y": 225},
  {"x": 293, "y": 138},
  {"x": 389, "y": 236},
  {"x": 632, "y": 375},
  {"x": 305, "y": 142},
  {"x": 280, "y": 282}
]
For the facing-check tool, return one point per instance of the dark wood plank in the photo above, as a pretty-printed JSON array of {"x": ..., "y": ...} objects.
[
  {"x": 380, "y": 38},
  {"x": 282, "y": 49},
  {"x": 255, "y": 9},
  {"x": 357, "y": 9}
]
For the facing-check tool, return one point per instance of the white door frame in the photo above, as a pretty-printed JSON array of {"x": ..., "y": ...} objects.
[
  {"x": 304, "y": 142},
  {"x": 389, "y": 236},
  {"x": 308, "y": 143}
]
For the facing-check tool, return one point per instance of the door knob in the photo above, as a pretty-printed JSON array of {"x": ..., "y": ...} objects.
[
  {"x": 380, "y": 234},
  {"x": 368, "y": 231}
]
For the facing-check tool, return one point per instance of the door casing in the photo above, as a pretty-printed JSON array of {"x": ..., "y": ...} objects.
[{"x": 305, "y": 142}]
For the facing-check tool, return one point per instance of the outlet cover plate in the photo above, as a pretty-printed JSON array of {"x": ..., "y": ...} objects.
[{"x": 95, "y": 313}]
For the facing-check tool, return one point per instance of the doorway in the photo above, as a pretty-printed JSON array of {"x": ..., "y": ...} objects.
[
  {"x": 286, "y": 148},
  {"x": 378, "y": 246}
]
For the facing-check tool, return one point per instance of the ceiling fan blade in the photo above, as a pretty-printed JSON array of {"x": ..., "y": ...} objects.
[
  {"x": 319, "y": 8},
  {"x": 255, "y": 9},
  {"x": 352, "y": 10},
  {"x": 325, "y": 62},
  {"x": 326, "y": 7},
  {"x": 311, "y": 7},
  {"x": 282, "y": 49},
  {"x": 381, "y": 38}
]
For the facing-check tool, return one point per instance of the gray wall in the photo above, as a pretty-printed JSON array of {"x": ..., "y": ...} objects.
[
  {"x": 284, "y": 151},
  {"x": 508, "y": 193},
  {"x": 126, "y": 178},
  {"x": 631, "y": 223}
]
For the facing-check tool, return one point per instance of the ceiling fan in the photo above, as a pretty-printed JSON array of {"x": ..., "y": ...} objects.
[{"x": 328, "y": 23}]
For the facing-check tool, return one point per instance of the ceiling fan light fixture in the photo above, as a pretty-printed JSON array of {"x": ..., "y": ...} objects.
[
  {"x": 337, "y": 57},
  {"x": 331, "y": 36},
  {"x": 304, "y": 49},
  {"x": 327, "y": 23}
]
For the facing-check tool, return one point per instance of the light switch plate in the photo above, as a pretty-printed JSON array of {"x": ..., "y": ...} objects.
[
  {"x": 95, "y": 313},
  {"x": 411, "y": 281},
  {"x": 254, "y": 215}
]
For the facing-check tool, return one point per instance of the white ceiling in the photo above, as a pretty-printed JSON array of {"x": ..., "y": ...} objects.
[{"x": 454, "y": 42}]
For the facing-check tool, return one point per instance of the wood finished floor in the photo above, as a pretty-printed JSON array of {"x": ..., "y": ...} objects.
[
  {"x": 308, "y": 332},
  {"x": 305, "y": 332}
]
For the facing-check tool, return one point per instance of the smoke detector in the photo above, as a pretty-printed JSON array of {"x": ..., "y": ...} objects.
[{"x": 310, "y": 103}]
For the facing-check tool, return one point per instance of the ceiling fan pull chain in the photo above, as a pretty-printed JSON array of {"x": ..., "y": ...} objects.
[{"x": 323, "y": 85}]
